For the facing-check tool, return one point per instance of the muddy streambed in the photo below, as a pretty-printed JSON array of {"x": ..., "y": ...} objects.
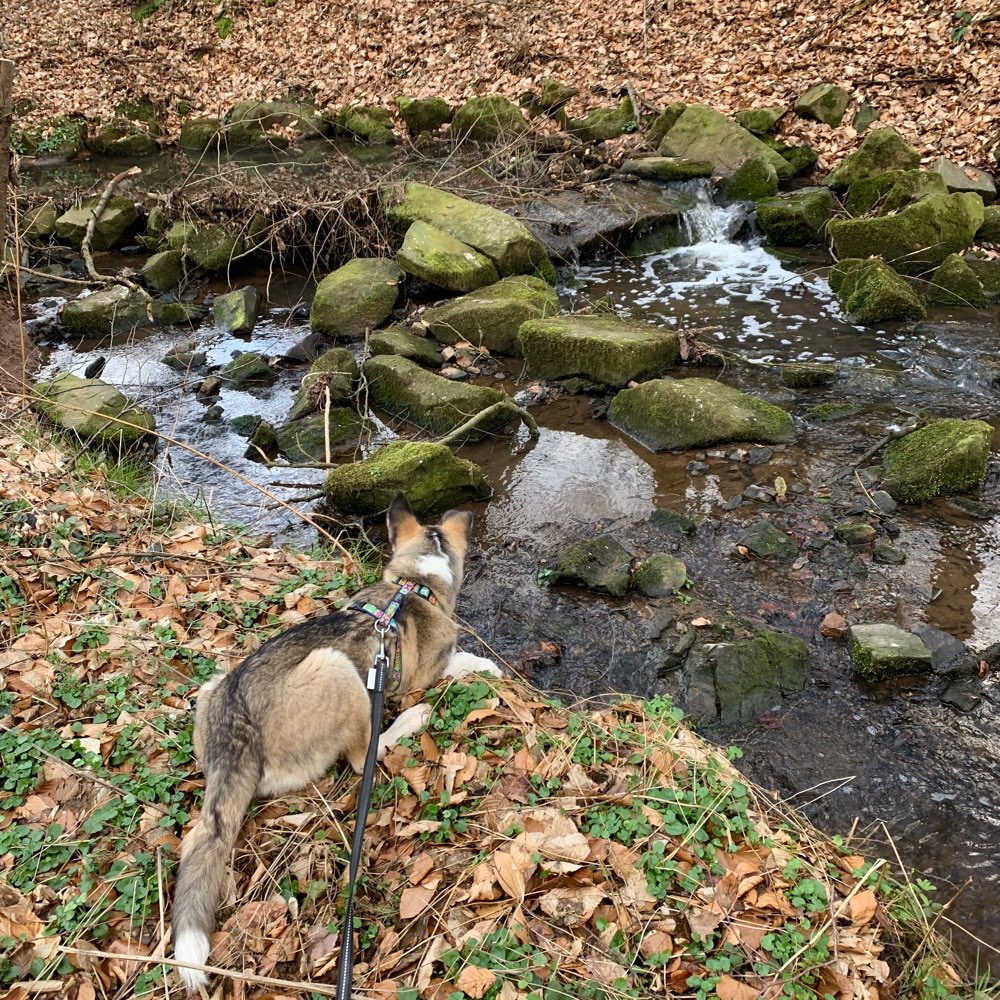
[{"x": 840, "y": 750}]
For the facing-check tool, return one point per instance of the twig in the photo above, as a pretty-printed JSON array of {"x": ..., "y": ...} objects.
[
  {"x": 88, "y": 236},
  {"x": 505, "y": 404}
]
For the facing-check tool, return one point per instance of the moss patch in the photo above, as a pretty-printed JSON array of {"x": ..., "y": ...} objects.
[
  {"x": 797, "y": 219},
  {"x": 489, "y": 119},
  {"x": 954, "y": 283},
  {"x": 882, "y": 149},
  {"x": 214, "y": 247},
  {"x": 356, "y": 297},
  {"x": 890, "y": 191},
  {"x": 602, "y": 565},
  {"x": 871, "y": 292},
  {"x": 434, "y": 256}
]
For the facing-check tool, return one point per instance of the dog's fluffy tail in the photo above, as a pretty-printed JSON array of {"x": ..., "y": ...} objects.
[{"x": 204, "y": 856}]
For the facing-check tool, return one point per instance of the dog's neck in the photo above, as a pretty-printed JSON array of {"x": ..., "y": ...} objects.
[{"x": 434, "y": 573}]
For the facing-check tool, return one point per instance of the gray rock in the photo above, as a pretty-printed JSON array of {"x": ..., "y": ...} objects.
[
  {"x": 93, "y": 410},
  {"x": 888, "y": 555},
  {"x": 213, "y": 247},
  {"x": 660, "y": 575},
  {"x": 236, "y": 311},
  {"x": 111, "y": 310},
  {"x": 184, "y": 360},
  {"x": 263, "y": 443},
  {"x": 884, "y": 650},
  {"x": 764, "y": 540},
  {"x": 434, "y": 256},
  {"x": 964, "y": 695},
  {"x": 305, "y": 440},
  {"x": 823, "y": 102},
  {"x": 356, "y": 297},
  {"x": 950, "y": 657},
  {"x": 966, "y": 178},
  {"x": 884, "y": 502},
  {"x": 249, "y": 368},
  {"x": 118, "y": 221},
  {"x": 865, "y": 117},
  {"x": 163, "y": 271},
  {"x": 402, "y": 342},
  {"x": 600, "y": 564},
  {"x": 755, "y": 178},
  {"x": 667, "y": 168}
]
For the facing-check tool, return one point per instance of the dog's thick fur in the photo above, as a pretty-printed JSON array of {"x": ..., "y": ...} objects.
[{"x": 299, "y": 703}]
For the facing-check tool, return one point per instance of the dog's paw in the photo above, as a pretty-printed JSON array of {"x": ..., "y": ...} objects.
[
  {"x": 409, "y": 723},
  {"x": 462, "y": 664}
]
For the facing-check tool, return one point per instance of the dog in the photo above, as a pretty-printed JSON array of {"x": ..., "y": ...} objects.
[{"x": 300, "y": 702}]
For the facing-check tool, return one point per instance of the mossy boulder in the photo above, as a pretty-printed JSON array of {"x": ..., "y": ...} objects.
[
  {"x": 212, "y": 246},
  {"x": 373, "y": 125},
  {"x": 989, "y": 231},
  {"x": 881, "y": 150},
  {"x": 552, "y": 96},
  {"x": 403, "y": 343},
  {"x": 356, "y": 297},
  {"x": 606, "y": 349},
  {"x": 660, "y": 575},
  {"x": 823, "y": 102},
  {"x": 767, "y": 541},
  {"x": 434, "y": 256},
  {"x": 883, "y": 650},
  {"x": 109, "y": 311},
  {"x": 753, "y": 179},
  {"x": 199, "y": 134},
  {"x": 946, "y": 456},
  {"x": 865, "y": 117},
  {"x": 492, "y": 316},
  {"x": 600, "y": 564},
  {"x": 988, "y": 273},
  {"x": 663, "y": 123},
  {"x": 248, "y": 368},
  {"x": 871, "y": 292},
  {"x": 954, "y": 283},
  {"x": 251, "y": 121},
  {"x": 800, "y": 159},
  {"x": 667, "y": 168},
  {"x": 603, "y": 123},
  {"x": 683, "y": 413},
  {"x": 163, "y": 271},
  {"x": 40, "y": 223},
  {"x": 891, "y": 191},
  {"x": 95, "y": 411},
  {"x": 175, "y": 313},
  {"x": 121, "y": 137},
  {"x": 430, "y": 475},
  {"x": 736, "y": 682},
  {"x": 118, "y": 221},
  {"x": 262, "y": 444},
  {"x": 917, "y": 238},
  {"x": 507, "y": 242},
  {"x": 965, "y": 178},
  {"x": 236, "y": 311},
  {"x": 796, "y": 219},
  {"x": 702, "y": 133},
  {"x": 760, "y": 121},
  {"x": 63, "y": 136},
  {"x": 437, "y": 404},
  {"x": 804, "y": 374},
  {"x": 426, "y": 114},
  {"x": 334, "y": 372},
  {"x": 489, "y": 119},
  {"x": 305, "y": 440}
]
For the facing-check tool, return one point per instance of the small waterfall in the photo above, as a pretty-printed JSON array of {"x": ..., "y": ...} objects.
[{"x": 707, "y": 222}]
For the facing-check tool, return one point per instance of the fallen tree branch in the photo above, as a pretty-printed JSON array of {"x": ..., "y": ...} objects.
[{"x": 505, "y": 404}]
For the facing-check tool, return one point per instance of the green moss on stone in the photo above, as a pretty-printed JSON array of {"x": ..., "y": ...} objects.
[
  {"x": 882, "y": 149},
  {"x": 489, "y": 119},
  {"x": 112, "y": 310},
  {"x": 214, "y": 247},
  {"x": 305, "y": 440},
  {"x": 988, "y": 273},
  {"x": 117, "y": 223},
  {"x": 199, "y": 134},
  {"x": 871, "y": 292},
  {"x": 62, "y": 136},
  {"x": 834, "y": 410},
  {"x": 334, "y": 372},
  {"x": 823, "y": 102},
  {"x": 434, "y": 256},
  {"x": 954, "y": 283},
  {"x": 989, "y": 231},
  {"x": 660, "y": 575},
  {"x": 424, "y": 114},
  {"x": 760, "y": 121},
  {"x": 667, "y": 168},
  {"x": 753, "y": 179},
  {"x": 372, "y": 124},
  {"x": 881, "y": 650},
  {"x": 40, "y": 223},
  {"x": 164, "y": 271},
  {"x": 796, "y": 219},
  {"x": 947, "y": 456},
  {"x": 603, "y": 123},
  {"x": 399, "y": 341},
  {"x": 663, "y": 123},
  {"x": 601, "y": 564},
  {"x": 249, "y": 368},
  {"x": 890, "y": 191},
  {"x": 803, "y": 374},
  {"x": 356, "y": 297}
]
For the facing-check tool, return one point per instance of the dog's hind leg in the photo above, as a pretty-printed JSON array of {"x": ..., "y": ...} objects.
[{"x": 463, "y": 663}]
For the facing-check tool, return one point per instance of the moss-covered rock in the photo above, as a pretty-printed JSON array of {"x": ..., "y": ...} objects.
[
  {"x": 305, "y": 440},
  {"x": 399, "y": 341},
  {"x": 430, "y": 475},
  {"x": 262, "y": 445},
  {"x": 603, "y": 348},
  {"x": 121, "y": 137},
  {"x": 660, "y": 575},
  {"x": 63, "y": 136},
  {"x": 214, "y": 247},
  {"x": 803, "y": 374},
  {"x": 507, "y": 242},
  {"x": 40, "y": 223},
  {"x": 250, "y": 122},
  {"x": 425, "y": 114},
  {"x": 988, "y": 273},
  {"x": 702, "y": 133},
  {"x": 954, "y": 283},
  {"x": 489, "y": 119},
  {"x": 753, "y": 179},
  {"x": 760, "y": 121},
  {"x": 600, "y": 564},
  {"x": 663, "y": 123},
  {"x": 362, "y": 121},
  {"x": 163, "y": 271},
  {"x": 796, "y": 219},
  {"x": 989, "y": 231},
  {"x": 917, "y": 238},
  {"x": 800, "y": 159},
  {"x": 870, "y": 292},
  {"x": 667, "y": 168},
  {"x": 672, "y": 523},
  {"x": 891, "y": 191},
  {"x": 333, "y": 373},
  {"x": 823, "y": 102},
  {"x": 95, "y": 411},
  {"x": 855, "y": 530},
  {"x": 356, "y": 297},
  {"x": 828, "y": 413},
  {"x": 236, "y": 311},
  {"x": 865, "y": 117},
  {"x": 682, "y": 413},
  {"x": 249, "y": 368},
  {"x": 882, "y": 149},
  {"x": 117, "y": 223},
  {"x": 177, "y": 313},
  {"x": 112, "y": 310},
  {"x": 766, "y": 541},
  {"x": 947, "y": 456},
  {"x": 965, "y": 178},
  {"x": 434, "y": 256},
  {"x": 199, "y": 134},
  {"x": 493, "y": 315},
  {"x": 883, "y": 650},
  {"x": 437, "y": 404},
  {"x": 552, "y": 96},
  {"x": 603, "y": 123}
]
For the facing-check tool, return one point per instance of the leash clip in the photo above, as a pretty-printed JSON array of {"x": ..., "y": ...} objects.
[{"x": 381, "y": 661}]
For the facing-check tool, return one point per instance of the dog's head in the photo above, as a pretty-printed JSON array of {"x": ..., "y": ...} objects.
[{"x": 432, "y": 554}]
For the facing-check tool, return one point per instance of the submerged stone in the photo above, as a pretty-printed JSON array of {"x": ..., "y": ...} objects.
[
  {"x": 95, "y": 411},
  {"x": 111, "y": 310},
  {"x": 881, "y": 150},
  {"x": 682, "y": 413},
  {"x": 832, "y": 411},
  {"x": 823, "y": 102},
  {"x": 888, "y": 554},
  {"x": 601, "y": 564},
  {"x": 118, "y": 221},
  {"x": 434, "y": 256},
  {"x": 672, "y": 523},
  {"x": 803, "y": 374},
  {"x": 175, "y": 313},
  {"x": 489, "y": 119},
  {"x": 883, "y": 650},
  {"x": 796, "y": 219},
  {"x": 424, "y": 114},
  {"x": 667, "y": 168},
  {"x": 765, "y": 540},
  {"x": 660, "y": 575},
  {"x": 236, "y": 311},
  {"x": 433, "y": 479},
  {"x": 249, "y": 368},
  {"x": 871, "y": 292},
  {"x": 214, "y": 247},
  {"x": 954, "y": 283},
  {"x": 356, "y": 297},
  {"x": 400, "y": 341}
]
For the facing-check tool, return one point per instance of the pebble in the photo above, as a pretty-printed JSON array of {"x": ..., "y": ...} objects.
[
  {"x": 758, "y": 456},
  {"x": 697, "y": 468},
  {"x": 733, "y": 502}
]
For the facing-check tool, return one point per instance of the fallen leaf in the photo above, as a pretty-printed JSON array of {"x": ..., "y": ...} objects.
[{"x": 474, "y": 981}]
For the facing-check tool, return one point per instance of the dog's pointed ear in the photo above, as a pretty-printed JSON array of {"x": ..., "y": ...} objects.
[
  {"x": 457, "y": 527},
  {"x": 401, "y": 522}
]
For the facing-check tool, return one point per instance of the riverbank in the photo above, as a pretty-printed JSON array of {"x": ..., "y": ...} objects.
[{"x": 518, "y": 845}]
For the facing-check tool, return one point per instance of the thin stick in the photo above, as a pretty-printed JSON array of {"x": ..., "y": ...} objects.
[
  {"x": 88, "y": 236},
  {"x": 505, "y": 404},
  {"x": 326, "y": 423}
]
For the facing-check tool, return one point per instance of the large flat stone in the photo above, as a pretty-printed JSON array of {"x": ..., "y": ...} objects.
[
  {"x": 356, "y": 297},
  {"x": 884, "y": 650}
]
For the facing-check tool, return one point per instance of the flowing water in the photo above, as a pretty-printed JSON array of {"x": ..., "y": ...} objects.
[{"x": 893, "y": 753}]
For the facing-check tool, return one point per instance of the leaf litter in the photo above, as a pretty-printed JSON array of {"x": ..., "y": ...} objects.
[{"x": 515, "y": 847}]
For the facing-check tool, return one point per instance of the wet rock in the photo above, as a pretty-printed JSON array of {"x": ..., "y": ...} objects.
[
  {"x": 949, "y": 656},
  {"x": 236, "y": 311},
  {"x": 755, "y": 178},
  {"x": 489, "y": 119},
  {"x": 735, "y": 682},
  {"x": 305, "y": 440},
  {"x": 760, "y": 494},
  {"x": 212, "y": 415},
  {"x": 213, "y": 247},
  {"x": 854, "y": 531},
  {"x": 601, "y": 564},
  {"x": 404, "y": 389},
  {"x": 884, "y": 502},
  {"x": 803, "y": 374},
  {"x": 492, "y": 316},
  {"x": 552, "y": 96},
  {"x": 988, "y": 273},
  {"x": 764, "y": 540},
  {"x": 400, "y": 341},
  {"x": 122, "y": 136},
  {"x": 356, "y": 297},
  {"x": 796, "y": 219},
  {"x": 884, "y": 650},
  {"x": 917, "y": 238},
  {"x": 308, "y": 348},
  {"x": 249, "y": 368},
  {"x": 199, "y": 134},
  {"x": 111, "y": 310},
  {"x": 603, "y": 348},
  {"x": 660, "y": 575},
  {"x": 373, "y": 125},
  {"x": 424, "y": 114},
  {"x": 946, "y": 456},
  {"x": 175, "y": 313},
  {"x": 252, "y": 122},
  {"x": 865, "y": 117},
  {"x": 245, "y": 424},
  {"x": 890, "y": 191},
  {"x": 702, "y": 133},
  {"x": 62, "y": 137},
  {"x": 682, "y": 413},
  {"x": 833, "y": 626},
  {"x": 823, "y": 102},
  {"x": 800, "y": 159},
  {"x": 209, "y": 387},
  {"x": 262, "y": 445},
  {"x": 444, "y": 261},
  {"x": 760, "y": 121},
  {"x": 667, "y": 168},
  {"x": 163, "y": 271},
  {"x": 695, "y": 468},
  {"x": 989, "y": 231},
  {"x": 40, "y": 222},
  {"x": 93, "y": 410},
  {"x": 672, "y": 523},
  {"x": 431, "y": 476},
  {"x": 506, "y": 241},
  {"x": 871, "y": 292},
  {"x": 118, "y": 221},
  {"x": 965, "y": 178},
  {"x": 882, "y": 149},
  {"x": 333, "y": 373},
  {"x": 184, "y": 359},
  {"x": 964, "y": 696},
  {"x": 603, "y": 123},
  {"x": 759, "y": 456},
  {"x": 954, "y": 283}
]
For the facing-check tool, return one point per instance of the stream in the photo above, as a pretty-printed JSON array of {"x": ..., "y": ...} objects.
[{"x": 891, "y": 754}]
